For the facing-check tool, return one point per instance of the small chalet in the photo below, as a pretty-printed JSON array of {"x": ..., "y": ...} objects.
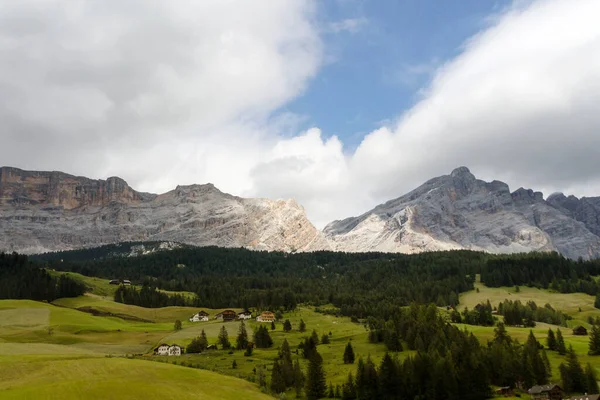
[
  {"x": 168, "y": 350},
  {"x": 162, "y": 350},
  {"x": 266, "y": 316},
  {"x": 587, "y": 397},
  {"x": 245, "y": 315},
  {"x": 546, "y": 392},
  {"x": 226, "y": 315},
  {"x": 126, "y": 282},
  {"x": 200, "y": 316},
  {"x": 580, "y": 330},
  {"x": 114, "y": 282},
  {"x": 175, "y": 350}
]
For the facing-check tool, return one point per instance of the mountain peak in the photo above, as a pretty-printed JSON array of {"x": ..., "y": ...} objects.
[{"x": 460, "y": 172}]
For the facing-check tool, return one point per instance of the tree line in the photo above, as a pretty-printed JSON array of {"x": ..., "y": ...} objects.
[{"x": 20, "y": 279}]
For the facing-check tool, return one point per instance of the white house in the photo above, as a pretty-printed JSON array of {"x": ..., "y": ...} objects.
[
  {"x": 200, "y": 316},
  {"x": 175, "y": 350},
  {"x": 245, "y": 315},
  {"x": 162, "y": 350},
  {"x": 166, "y": 350}
]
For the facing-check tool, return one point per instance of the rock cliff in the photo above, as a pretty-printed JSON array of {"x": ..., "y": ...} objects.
[
  {"x": 458, "y": 211},
  {"x": 47, "y": 211}
]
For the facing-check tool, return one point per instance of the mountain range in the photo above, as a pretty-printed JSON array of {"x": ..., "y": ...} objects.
[{"x": 49, "y": 211}]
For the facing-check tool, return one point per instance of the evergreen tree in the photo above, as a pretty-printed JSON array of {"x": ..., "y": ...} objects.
[
  {"x": 272, "y": 325},
  {"x": 177, "y": 325},
  {"x": 261, "y": 376},
  {"x": 349, "y": 389},
  {"x": 315, "y": 337},
  {"x": 242, "y": 337},
  {"x": 224, "y": 338},
  {"x": 287, "y": 325},
  {"x": 298, "y": 378},
  {"x": 262, "y": 338},
  {"x": 572, "y": 375},
  {"x": 315, "y": 378},
  {"x": 349, "y": 354},
  {"x": 325, "y": 339},
  {"x": 302, "y": 326},
  {"x": 388, "y": 378},
  {"x": 594, "y": 341},
  {"x": 234, "y": 364},
  {"x": 560, "y": 342},
  {"x": 203, "y": 341},
  {"x": 338, "y": 392},
  {"x": 591, "y": 379},
  {"x": 287, "y": 367},
  {"x": 277, "y": 381},
  {"x": 551, "y": 340},
  {"x": 330, "y": 391},
  {"x": 367, "y": 381}
]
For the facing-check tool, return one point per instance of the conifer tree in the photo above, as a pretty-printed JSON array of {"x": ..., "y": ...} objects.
[
  {"x": 388, "y": 378},
  {"x": 338, "y": 392},
  {"x": 591, "y": 379},
  {"x": 349, "y": 389},
  {"x": 594, "y": 341},
  {"x": 277, "y": 381},
  {"x": 571, "y": 374},
  {"x": 315, "y": 337},
  {"x": 287, "y": 326},
  {"x": 349, "y": 354},
  {"x": 262, "y": 339},
  {"x": 315, "y": 378},
  {"x": 224, "y": 338},
  {"x": 287, "y": 367},
  {"x": 299, "y": 378},
  {"x": 551, "y": 340},
  {"x": 560, "y": 342},
  {"x": 302, "y": 326},
  {"x": 203, "y": 340},
  {"x": 367, "y": 381},
  {"x": 272, "y": 325},
  {"x": 330, "y": 391},
  {"x": 242, "y": 337}
]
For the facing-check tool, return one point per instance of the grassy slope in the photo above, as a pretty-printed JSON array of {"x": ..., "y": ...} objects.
[{"x": 115, "y": 378}]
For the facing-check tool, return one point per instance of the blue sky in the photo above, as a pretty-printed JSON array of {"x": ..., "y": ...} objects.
[{"x": 375, "y": 69}]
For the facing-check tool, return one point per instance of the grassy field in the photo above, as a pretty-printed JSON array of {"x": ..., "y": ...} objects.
[
  {"x": 40, "y": 341},
  {"x": 577, "y": 305},
  {"x": 115, "y": 378}
]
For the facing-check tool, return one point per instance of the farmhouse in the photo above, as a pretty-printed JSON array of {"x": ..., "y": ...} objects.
[
  {"x": 266, "y": 316},
  {"x": 546, "y": 392},
  {"x": 168, "y": 350},
  {"x": 162, "y": 350},
  {"x": 200, "y": 316},
  {"x": 580, "y": 330},
  {"x": 245, "y": 315},
  {"x": 226, "y": 315},
  {"x": 126, "y": 282},
  {"x": 114, "y": 282},
  {"x": 175, "y": 350}
]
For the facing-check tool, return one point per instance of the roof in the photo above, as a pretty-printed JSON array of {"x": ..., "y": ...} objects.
[
  {"x": 228, "y": 312},
  {"x": 267, "y": 313},
  {"x": 175, "y": 345},
  {"x": 587, "y": 397},
  {"x": 543, "y": 388}
]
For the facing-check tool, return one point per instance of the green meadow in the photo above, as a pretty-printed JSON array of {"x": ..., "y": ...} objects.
[{"x": 58, "y": 351}]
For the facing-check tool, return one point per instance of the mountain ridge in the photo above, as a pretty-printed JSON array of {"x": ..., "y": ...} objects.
[
  {"x": 458, "y": 211},
  {"x": 52, "y": 210}
]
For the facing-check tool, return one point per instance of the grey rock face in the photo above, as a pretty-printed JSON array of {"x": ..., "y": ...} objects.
[
  {"x": 458, "y": 211},
  {"x": 586, "y": 209},
  {"x": 48, "y": 211}
]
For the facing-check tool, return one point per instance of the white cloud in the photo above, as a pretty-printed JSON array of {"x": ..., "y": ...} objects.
[{"x": 164, "y": 95}]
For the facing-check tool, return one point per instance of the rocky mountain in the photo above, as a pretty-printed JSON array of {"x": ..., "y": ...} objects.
[
  {"x": 48, "y": 211},
  {"x": 458, "y": 211}
]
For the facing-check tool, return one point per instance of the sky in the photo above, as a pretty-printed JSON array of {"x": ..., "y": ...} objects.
[{"x": 340, "y": 104}]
